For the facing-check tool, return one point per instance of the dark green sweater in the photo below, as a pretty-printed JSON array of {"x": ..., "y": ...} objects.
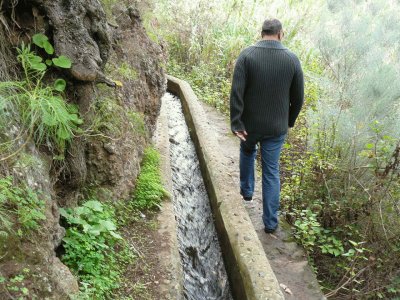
[{"x": 267, "y": 89}]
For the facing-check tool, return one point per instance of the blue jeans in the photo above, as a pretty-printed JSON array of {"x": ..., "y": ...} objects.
[{"x": 270, "y": 153}]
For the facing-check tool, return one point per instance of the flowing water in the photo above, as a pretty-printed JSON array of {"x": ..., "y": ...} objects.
[{"x": 204, "y": 273}]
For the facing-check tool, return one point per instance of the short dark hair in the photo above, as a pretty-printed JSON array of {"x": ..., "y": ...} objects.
[{"x": 271, "y": 27}]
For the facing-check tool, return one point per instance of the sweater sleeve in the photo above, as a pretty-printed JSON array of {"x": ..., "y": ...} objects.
[
  {"x": 237, "y": 94},
  {"x": 296, "y": 93}
]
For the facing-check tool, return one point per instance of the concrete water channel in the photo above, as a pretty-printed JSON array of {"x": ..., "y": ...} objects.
[
  {"x": 204, "y": 274},
  {"x": 220, "y": 254}
]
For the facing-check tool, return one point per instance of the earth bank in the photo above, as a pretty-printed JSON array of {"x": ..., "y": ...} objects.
[{"x": 116, "y": 81}]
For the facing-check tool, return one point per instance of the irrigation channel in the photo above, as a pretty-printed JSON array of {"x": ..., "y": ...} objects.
[{"x": 204, "y": 274}]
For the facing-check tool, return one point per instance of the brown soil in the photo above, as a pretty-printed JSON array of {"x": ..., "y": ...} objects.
[{"x": 146, "y": 277}]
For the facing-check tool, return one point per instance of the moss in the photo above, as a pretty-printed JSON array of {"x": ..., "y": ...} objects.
[
  {"x": 108, "y": 117},
  {"x": 149, "y": 189},
  {"x": 137, "y": 121},
  {"x": 127, "y": 72},
  {"x": 107, "y": 6}
]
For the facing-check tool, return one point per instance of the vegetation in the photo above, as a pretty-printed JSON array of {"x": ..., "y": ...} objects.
[
  {"x": 21, "y": 208},
  {"x": 90, "y": 248},
  {"x": 341, "y": 178},
  {"x": 149, "y": 189},
  {"x": 15, "y": 285},
  {"x": 94, "y": 248},
  {"x": 36, "y": 104}
]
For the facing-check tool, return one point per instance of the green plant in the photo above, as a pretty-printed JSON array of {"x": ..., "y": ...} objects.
[
  {"x": 137, "y": 121},
  {"x": 20, "y": 206},
  {"x": 38, "y": 106},
  {"x": 15, "y": 285},
  {"x": 127, "y": 71},
  {"x": 89, "y": 244},
  {"x": 149, "y": 190}
]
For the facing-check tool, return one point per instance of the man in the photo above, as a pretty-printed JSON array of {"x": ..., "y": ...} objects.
[{"x": 266, "y": 98}]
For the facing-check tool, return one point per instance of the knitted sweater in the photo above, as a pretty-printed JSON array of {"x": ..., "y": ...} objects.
[{"x": 267, "y": 89}]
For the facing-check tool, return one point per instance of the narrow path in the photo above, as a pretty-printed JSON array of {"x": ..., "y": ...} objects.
[{"x": 286, "y": 258}]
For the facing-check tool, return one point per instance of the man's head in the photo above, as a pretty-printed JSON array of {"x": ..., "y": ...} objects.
[{"x": 272, "y": 29}]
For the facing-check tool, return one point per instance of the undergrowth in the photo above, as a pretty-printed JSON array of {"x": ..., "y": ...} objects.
[
  {"x": 21, "y": 208},
  {"x": 149, "y": 189},
  {"x": 93, "y": 246},
  {"x": 94, "y": 250}
]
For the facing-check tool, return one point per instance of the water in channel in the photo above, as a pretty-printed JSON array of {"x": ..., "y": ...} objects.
[{"x": 204, "y": 273}]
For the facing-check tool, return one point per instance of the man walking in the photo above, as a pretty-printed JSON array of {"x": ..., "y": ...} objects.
[{"x": 266, "y": 98}]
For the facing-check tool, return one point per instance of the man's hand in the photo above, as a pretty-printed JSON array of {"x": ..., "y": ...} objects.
[{"x": 241, "y": 135}]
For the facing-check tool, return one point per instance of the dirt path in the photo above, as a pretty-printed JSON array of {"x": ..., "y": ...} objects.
[{"x": 286, "y": 258}]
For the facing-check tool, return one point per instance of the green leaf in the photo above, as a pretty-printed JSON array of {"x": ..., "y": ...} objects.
[
  {"x": 62, "y": 62},
  {"x": 48, "y": 47},
  {"x": 369, "y": 146},
  {"x": 39, "y": 39},
  {"x": 39, "y": 66},
  {"x": 73, "y": 109},
  {"x": 60, "y": 84},
  {"x": 25, "y": 291},
  {"x": 353, "y": 243},
  {"x": 49, "y": 120},
  {"x": 116, "y": 235},
  {"x": 94, "y": 205},
  {"x": 64, "y": 213},
  {"x": 49, "y": 62},
  {"x": 74, "y": 118},
  {"x": 62, "y": 133},
  {"x": 95, "y": 232},
  {"x": 81, "y": 210},
  {"x": 108, "y": 225},
  {"x": 35, "y": 59}
]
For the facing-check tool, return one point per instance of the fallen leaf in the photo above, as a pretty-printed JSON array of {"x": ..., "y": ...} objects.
[{"x": 118, "y": 83}]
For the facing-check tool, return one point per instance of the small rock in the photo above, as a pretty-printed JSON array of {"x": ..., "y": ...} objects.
[
  {"x": 110, "y": 148},
  {"x": 173, "y": 141},
  {"x": 261, "y": 274},
  {"x": 246, "y": 238}
]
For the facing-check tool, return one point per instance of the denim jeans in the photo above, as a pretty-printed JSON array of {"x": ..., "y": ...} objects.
[{"x": 270, "y": 153}]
